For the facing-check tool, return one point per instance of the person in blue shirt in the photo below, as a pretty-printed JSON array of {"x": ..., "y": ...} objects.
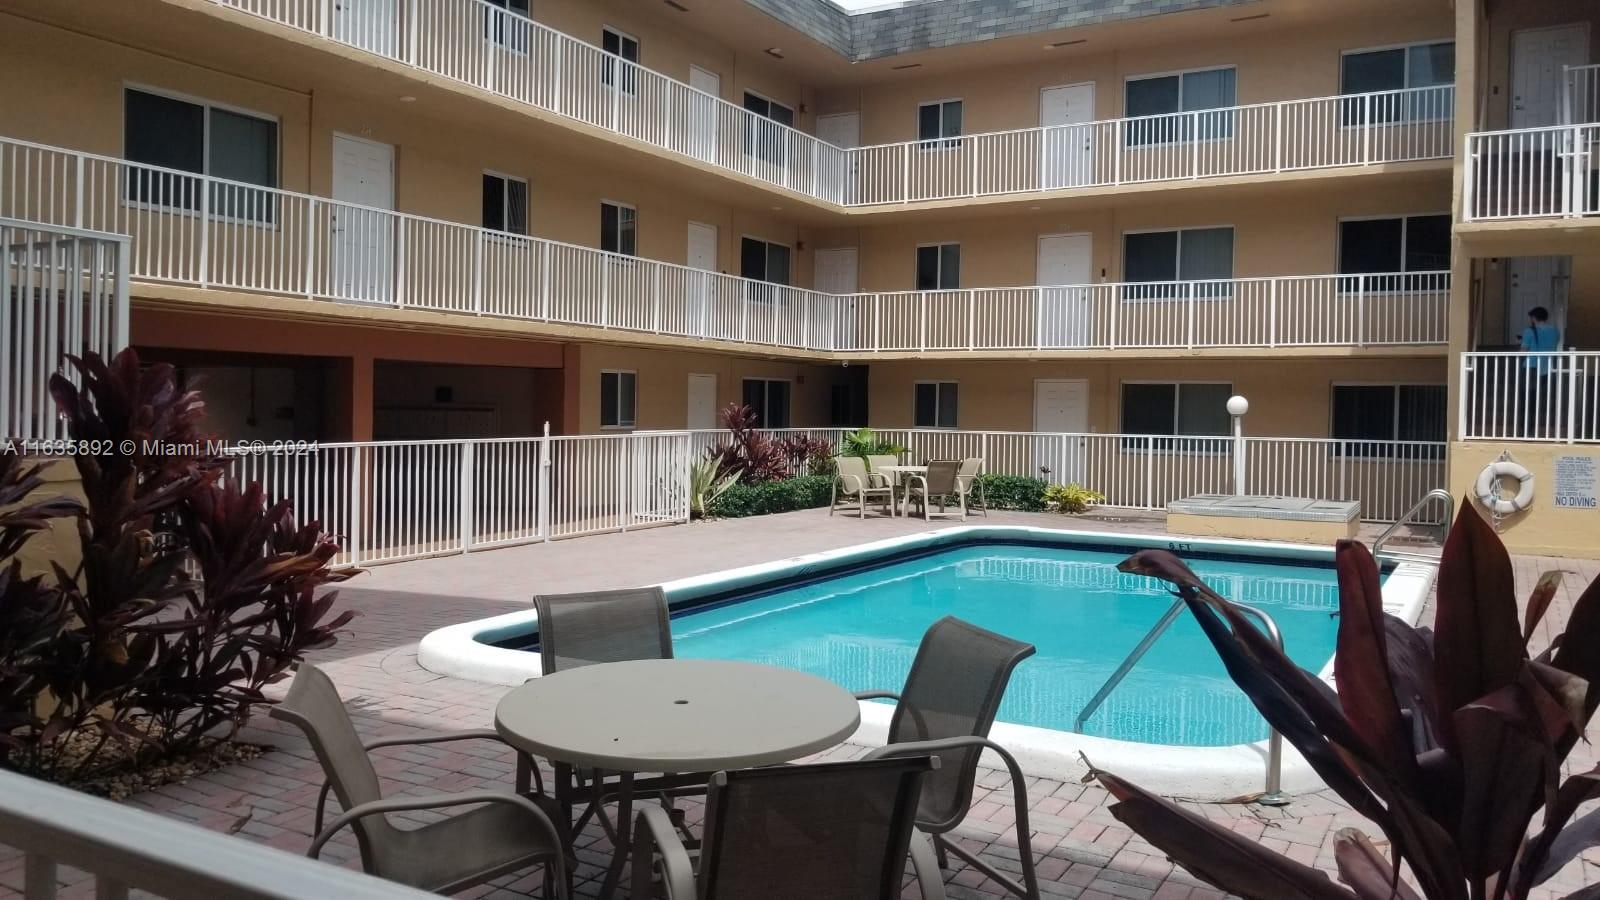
[{"x": 1540, "y": 340}]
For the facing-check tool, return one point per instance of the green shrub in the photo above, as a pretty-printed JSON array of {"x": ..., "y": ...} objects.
[
  {"x": 1071, "y": 499},
  {"x": 1014, "y": 492},
  {"x": 787, "y": 495}
]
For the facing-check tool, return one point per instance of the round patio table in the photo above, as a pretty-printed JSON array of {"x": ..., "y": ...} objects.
[{"x": 671, "y": 716}]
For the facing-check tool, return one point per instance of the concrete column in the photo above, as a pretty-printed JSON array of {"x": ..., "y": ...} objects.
[
  {"x": 1470, "y": 30},
  {"x": 350, "y": 399}
]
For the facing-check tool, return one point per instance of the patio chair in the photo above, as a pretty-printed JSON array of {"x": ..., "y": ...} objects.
[
  {"x": 838, "y": 829},
  {"x": 852, "y": 483},
  {"x": 948, "y": 705},
  {"x": 941, "y": 481},
  {"x": 969, "y": 485},
  {"x": 504, "y": 833},
  {"x": 875, "y": 464}
]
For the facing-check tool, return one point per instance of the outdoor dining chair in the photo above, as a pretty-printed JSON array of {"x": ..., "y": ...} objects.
[
  {"x": 951, "y": 696},
  {"x": 969, "y": 485},
  {"x": 853, "y": 483},
  {"x": 504, "y": 833},
  {"x": 941, "y": 482},
  {"x": 839, "y": 829}
]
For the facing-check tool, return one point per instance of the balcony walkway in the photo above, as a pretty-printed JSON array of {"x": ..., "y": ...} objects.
[{"x": 1084, "y": 851}]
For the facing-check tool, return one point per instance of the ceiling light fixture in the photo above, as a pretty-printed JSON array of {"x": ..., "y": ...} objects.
[
  {"x": 1058, "y": 44},
  {"x": 773, "y": 52}
]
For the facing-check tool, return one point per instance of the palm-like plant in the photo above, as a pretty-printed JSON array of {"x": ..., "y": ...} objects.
[
  {"x": 1451, "y": 741},
  {"x": 707, "y": 482}
]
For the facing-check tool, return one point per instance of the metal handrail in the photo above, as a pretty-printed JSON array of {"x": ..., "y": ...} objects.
[
  {"x": 1435, "y": 494},
  {"x": 1273, "y": 794}
]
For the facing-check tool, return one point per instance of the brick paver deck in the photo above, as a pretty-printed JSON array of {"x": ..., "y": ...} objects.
[{"x": 1082, "y": 851}]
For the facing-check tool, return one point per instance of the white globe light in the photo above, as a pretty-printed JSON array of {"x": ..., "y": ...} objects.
[{"x": 1237, "y": 405}]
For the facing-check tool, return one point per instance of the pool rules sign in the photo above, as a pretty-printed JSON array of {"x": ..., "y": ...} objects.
[{"x": 1575, "y": 482}]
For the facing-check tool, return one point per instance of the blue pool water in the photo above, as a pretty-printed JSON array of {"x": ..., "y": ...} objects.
[{"x": 860, "y": 629}]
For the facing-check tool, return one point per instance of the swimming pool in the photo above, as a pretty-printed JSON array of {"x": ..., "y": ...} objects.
[{"x": 856, "y": 615}]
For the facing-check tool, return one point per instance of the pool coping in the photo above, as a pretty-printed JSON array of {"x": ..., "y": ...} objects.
[{"x": 1200, "y": 773}]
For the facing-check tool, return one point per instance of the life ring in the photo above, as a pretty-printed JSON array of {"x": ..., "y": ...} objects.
[{"x": 1488, "y": 487}]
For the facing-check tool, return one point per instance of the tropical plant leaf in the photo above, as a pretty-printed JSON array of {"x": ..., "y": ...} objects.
[
  {"x": 1366, "y": 870},
  {"x": 1539, "y": 603},
  {"x": 1214, "y": 854},
  {"x": 1361, "y": 667},
  {"x": 1477, "y": 640}
]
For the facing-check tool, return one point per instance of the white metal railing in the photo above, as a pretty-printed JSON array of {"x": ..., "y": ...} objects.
[
  {"x": 1553, "y": 396},
  {"x": 210, "y": 232},
  {"x": 1533, "y": 172},
  {"x": 62, "y": 291},
  {"x": 1149, "y": 471},
  {"x": 1580, "y": 100},
  {"x": 61, "y": 832},
  {"x": 1263, "y": 138},
  {"x": 481, "y": 44},
  {"x": 393, "y": 500}
]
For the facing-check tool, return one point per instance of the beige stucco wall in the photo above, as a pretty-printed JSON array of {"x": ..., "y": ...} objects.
[
  {"x": 1287, "y": 397},
  {"x": 662, "y": 384},
  {"x": 1281, "y": 64},
  {"x": 1543, "y": 528}
]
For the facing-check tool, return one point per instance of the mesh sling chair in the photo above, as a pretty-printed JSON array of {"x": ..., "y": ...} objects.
[
  {"x": 941, "y": 481},
  {"x": 949, "y": 703},
  {"x": 585, "y": 629},
  {"x": 969, "y": 484},
  {"x": 852, "y": 481},
  {"x": 796, "y": 833},
  {"x": 506, "y": 832}
]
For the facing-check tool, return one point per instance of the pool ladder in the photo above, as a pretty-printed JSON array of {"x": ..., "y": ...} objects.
[
  {"x": 1273, "y": 794},
  {"x": 1449, "y": 516}
]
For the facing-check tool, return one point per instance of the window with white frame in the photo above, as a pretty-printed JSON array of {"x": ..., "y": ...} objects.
[
  {"x": 1151, "y": 260},
  {"x": 769, "y": 398},
  {"x": 939, "y": 267},
  {"x": 617, "y": 398},
  {"x": 1421, "y": 65},
  {"x": 764, "y": 260},
  {"x": 765, "y": 134},
  {"x": 939, "y": 124},
  {"x": 1373, "y": 416},
  {"x": 1394, "y": 246},
  {"x": 1184, "y": 409},
  {"x": 623, "y": 46},
  {"x": 508, "y": 23},
  {"x": 619, "y": 228},
  {"x": 505, "y": 203},
  {"x": 200, "y": 137},
  {"x": 934, "y": 405},
  {"x": 1208, "y": 93}
]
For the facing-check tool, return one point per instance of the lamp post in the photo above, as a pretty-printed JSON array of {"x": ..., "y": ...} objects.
[{"x": 1237, "y": 407}]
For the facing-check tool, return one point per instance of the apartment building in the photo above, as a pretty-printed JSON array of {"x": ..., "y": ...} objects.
[{"x": 410, "y": 219}]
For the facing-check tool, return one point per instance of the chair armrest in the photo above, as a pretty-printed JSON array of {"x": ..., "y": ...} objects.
[
  {"x": 914, "y": 479},
  {"x": 878, "y": 695},
  {"x": 444, "y": 801},
  {"x": 484, "y": 734},
  {"x": 654, "y": 832},
  {"x": 859, "y": 486}
]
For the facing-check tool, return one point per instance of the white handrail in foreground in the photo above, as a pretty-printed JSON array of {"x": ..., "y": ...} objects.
[
  {"x": 196, "y": 230},
  {"x": 124, "y": 847},
  {"x": 483, "y": 45},
  {"x": 1551, "y": 397}
]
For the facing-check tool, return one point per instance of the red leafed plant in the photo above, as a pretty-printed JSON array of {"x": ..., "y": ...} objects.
[
  {"x": 749, "y": 451},
  {"x": 1450, "y": 741},
  {"x": 192, "y": 593}
]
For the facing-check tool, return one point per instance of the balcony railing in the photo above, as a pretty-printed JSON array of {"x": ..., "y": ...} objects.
[
  {"x": 1552, "y": 397},
  {"x": 62, "y": 290},
  {"x": 483, "y": 45},
  {"x": 1551, "y": 172},
  {"x": 196, "y": 230},
  {"x": 1580, "y": 104},
  {"x": 1147, "y": 471}
]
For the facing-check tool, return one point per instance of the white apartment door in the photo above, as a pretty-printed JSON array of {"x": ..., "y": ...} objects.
[
  {"x": 1068, "y": 147},
  {"x": 700, "y": 292},
  {"x": 836, "y": 270},
  {"x": 702, "y": 402},
  {"x": 361, "y": 246},
  {"x": 1065, "y": 314},
  {"x": 1061, "y": 418},
  {"x": 702, "y": 132},
  {"x": 372, "y": 25},
  {"x": 1536, "y": 281},
  {"x": 1538, "y": 60},
  {"x": 842, "y": 130}
]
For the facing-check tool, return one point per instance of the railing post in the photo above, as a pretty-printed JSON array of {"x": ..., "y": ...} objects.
[
  {"x": 1277, "y": 137},
  {"x": 816, "y": 164},
  {"x": 77, "y": 191},
  {"x": 312, "y": 227},
  {"x": 922, "y": 323},
  {"x": 542, "y": 486},
  {"x": 1115, "y": 297},
  {"x": 605, "y": 292},
  {"x": 1149, "y": 473},
  {"x": 1194, "y": 145},
  {"x": 412, "y": 41},
  {"x": 744, "y": 312},
  {"x": 358, "y": 475},
  {"x": 205, "y": 231},
  {"x": 877, "y": 321},
  {"x": 1462, "y": 431},
  {"x": 1272, "y": 313},
  {"x": 1189, "y": 326},
  {"x": 625, "y": 473},
  {"x": 655, "y": 301},
  {"x": 1361, "y": 311},
  {"x": 972, "y": 151},
  {"x": 1470, "y": 176},
  {"x": 325, "y": 18},
  {"x": 477, "y": 273},
  {"x": 905, "y": 174},
  {"x": 972, "y": 319},
  {"x": 1366, "y": 128},
  {"x": 464, "y": 494},
  {"x": 402, "y": 282},
  {"x": 1572, "y": 395},
  {"x": 544, "y": 281}
]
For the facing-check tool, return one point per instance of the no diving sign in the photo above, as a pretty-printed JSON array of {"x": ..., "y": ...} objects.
[{"x": 1575, "y": 482}]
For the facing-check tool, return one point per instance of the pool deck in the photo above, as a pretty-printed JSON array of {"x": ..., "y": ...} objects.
[{"x": 1083, "y": 851}]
